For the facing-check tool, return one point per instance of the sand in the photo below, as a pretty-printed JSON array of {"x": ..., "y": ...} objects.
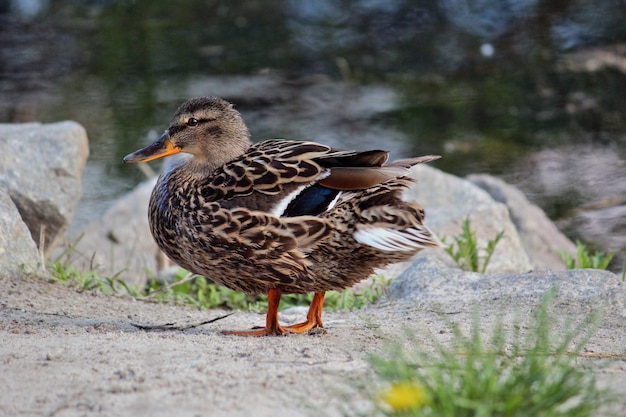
[{"x": 71, "y": 353}]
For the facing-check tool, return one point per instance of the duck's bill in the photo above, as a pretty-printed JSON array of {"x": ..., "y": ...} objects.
[{"x": 162, "y": 147}]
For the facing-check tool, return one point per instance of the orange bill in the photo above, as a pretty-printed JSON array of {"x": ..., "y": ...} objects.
[{"x": 160, "y": 148}]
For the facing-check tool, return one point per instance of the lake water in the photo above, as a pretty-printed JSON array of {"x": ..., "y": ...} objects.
[{"x": 533, "y": 92}]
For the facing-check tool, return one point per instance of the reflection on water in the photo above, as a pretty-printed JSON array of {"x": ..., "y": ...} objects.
[{"x": 490, "y": 84}]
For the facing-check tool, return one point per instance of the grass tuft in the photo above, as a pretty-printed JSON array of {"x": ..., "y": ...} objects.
[
  {"x": 585, "y": 259},
  {"x": 466, "y": 253},
  {"x": 90, "y": 280},
  {"x": 200, "y": 292},
  {"x": 514, "y": 373}
]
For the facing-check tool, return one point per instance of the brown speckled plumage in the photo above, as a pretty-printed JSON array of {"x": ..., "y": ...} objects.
[{"x": 278, "y": 216}]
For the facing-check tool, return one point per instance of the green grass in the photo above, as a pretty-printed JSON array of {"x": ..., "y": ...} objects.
[
  {"x": 197, "y": 291},
  {"x": 511, "y": 373},
  {"x": 585, "y": 259},
  {"x": 200, "y": 292},
  {"x": 90, "y": 280},
  {"x": 466, "y": 253}
]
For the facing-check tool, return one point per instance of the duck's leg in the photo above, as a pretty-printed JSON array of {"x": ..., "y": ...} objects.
[
  {"x": 272, "y": 327},
  {"x": 313, "y": 317}
]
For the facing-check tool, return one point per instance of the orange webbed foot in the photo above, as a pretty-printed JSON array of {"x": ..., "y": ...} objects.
[{"x": 273, "y": 328}]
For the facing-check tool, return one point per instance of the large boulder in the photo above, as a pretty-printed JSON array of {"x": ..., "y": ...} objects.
[
  {"x": 429, "y": 283},
  {"x": 541, "y": 239},
  {"x": 448, "y": 200},
  {"x": 41, "y": 167},
  {"x": 18, "y": 252},
  {"x": 120, "y": 241}
]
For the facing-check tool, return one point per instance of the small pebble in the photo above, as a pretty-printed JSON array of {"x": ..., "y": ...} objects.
[{"x": 56, "y": 355}]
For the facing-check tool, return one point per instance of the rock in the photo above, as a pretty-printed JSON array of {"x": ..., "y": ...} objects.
[
  {"x": 18, "y": 252},
  {"x": 430, "y": 283},
  {"x": 541, "y": 239},
  {"x": 41, "y": 167},
  {"x": 448, "y": 200},
  {"x": 120, "y": 241}
]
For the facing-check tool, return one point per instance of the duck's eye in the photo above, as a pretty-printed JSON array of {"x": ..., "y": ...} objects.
[{"x": 192, "y": 122}]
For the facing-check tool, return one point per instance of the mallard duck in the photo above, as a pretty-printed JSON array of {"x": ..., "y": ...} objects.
[{"x": 278, "y": 216}]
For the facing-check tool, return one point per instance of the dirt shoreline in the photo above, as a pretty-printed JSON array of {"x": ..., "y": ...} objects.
[{"x": 67, "y": 353}]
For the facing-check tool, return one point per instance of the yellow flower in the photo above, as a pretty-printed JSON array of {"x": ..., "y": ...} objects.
[{"x": 404, "y": 395}]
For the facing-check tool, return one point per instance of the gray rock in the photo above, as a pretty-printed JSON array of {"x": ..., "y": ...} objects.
[
  {"x": 430, "y": 283},
  {"x": 18, "y": 252},
  {"x": 121, "y": 242},
  {"x": 448, "y": 200},
  {"x": 42, "y": 173},
  {"x": 542, "y": 240}
]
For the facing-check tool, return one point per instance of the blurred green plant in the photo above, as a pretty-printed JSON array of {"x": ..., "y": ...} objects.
[
  {"x": 585, "y": 259},
  {"x": 466, "y": 252},
  {"x": 516, "y": 373}
]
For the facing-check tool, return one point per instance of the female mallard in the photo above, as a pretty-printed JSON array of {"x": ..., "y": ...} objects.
[{"x": 278, "y": 216}]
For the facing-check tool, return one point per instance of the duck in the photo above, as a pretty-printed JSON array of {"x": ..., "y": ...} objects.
[{"x": 278, "y": 216}]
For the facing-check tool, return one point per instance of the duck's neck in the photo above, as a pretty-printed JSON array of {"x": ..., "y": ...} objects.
[
  {"x": 198, "y": 168},
  {"x": 190, "y": 166},
  {"x": 205, "y": 162}
]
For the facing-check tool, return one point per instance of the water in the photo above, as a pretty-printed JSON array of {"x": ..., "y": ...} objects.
[{"x": 526, "y": 90}]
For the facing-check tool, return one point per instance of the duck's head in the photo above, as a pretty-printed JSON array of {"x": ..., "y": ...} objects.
[{"x": 209, "y": 128}]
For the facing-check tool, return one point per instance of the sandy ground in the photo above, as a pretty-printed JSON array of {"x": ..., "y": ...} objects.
[{"x": 66, "y": 353}]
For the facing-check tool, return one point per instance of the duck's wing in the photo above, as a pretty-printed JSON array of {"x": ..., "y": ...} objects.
[
  {"x": 271, "y": 167},
  {"x": 358, "y": 177},
  {"x": 296, "y": 178},
  {"x": 273, "y": 173}
]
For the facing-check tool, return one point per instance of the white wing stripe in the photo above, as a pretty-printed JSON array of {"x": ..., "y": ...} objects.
[
  {"x": 407, "y": 240},
  {"x": 281, "y": 206}
]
